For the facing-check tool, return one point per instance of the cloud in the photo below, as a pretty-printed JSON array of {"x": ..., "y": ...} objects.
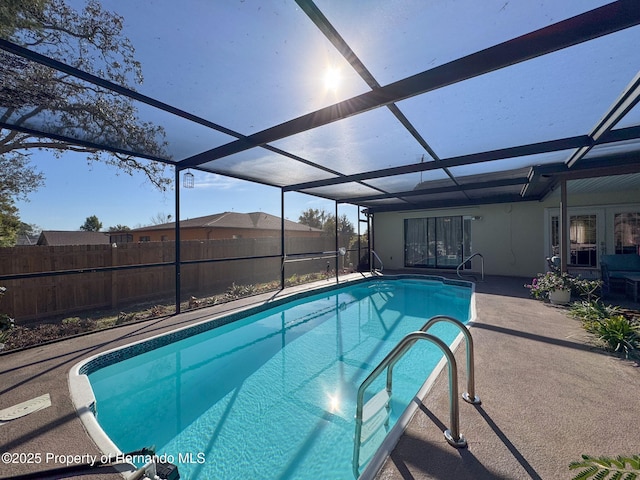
[{"x": 218, "y": 182}]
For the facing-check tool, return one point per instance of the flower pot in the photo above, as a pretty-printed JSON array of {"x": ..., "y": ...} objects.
[{"x": 560, "y": 297}]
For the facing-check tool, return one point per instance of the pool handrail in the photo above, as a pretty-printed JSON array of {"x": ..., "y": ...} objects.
[
  {"x": 452, "y": 434},
  {"x": 477, "y": 254},
  {"x": 469, "y": 396},
  {"x": 373, "y": 252}
]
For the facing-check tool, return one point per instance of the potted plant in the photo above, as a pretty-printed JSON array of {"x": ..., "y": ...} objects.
[{"x": 552, "y": 285}]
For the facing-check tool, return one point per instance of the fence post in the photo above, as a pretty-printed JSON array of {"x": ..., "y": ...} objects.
[{"x": 114, "y": 276}]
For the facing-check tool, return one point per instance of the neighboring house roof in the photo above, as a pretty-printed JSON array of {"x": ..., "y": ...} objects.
[
  {"x": 254, "y": 220},
  {"x": 57, "y": 237},
  {"x": 25, "y": 239}
]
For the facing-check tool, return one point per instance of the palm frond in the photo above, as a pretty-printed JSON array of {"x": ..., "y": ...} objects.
[{"x": 607, "y": 468}]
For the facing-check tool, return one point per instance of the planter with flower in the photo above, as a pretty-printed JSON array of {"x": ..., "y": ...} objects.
[{"x": 554, "y": 286}]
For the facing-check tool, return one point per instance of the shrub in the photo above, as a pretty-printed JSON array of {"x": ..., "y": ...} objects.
[
  {"x": 586, "y": 288},
  {"x": 547, "y": 282},
  {"x": 592, "y": 310},
  {"x": 6, "y": 322},
  {"x": 617, "y": 332},
  {"x": 550, "y": 281},
  {"x": 239, "y": 291}
]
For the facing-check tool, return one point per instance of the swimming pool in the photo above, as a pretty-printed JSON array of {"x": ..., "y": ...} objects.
[{"x": 272, "y": 393}]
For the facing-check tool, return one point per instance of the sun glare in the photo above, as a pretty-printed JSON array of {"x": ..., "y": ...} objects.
[
  {"x": 334, "y": 403},
  {"x": 332, "y": 78}
]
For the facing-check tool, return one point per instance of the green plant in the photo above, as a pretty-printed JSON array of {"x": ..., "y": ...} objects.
[
  {"x": 239, "y": 291},
  {"x": 6, "y": 327},
  {"x": 6, "y": 322},
  {"x": 71, "y": 321},
  {"x": 592, "y": 310},
  {"x": 550, "y": 281},
  {"x": 617, "y": 332},
  {"x": 587, "y": 288},
  {"x": 296, "y": 279},
  {"x": 124, "y": 317},
  {"x": 601, "y": 467},
  {"x": 555, "y": 280},
  {"x": 159, "y": 310}
]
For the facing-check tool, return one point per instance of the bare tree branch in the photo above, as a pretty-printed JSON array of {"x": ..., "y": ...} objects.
[{"x": 57, "y": 103}]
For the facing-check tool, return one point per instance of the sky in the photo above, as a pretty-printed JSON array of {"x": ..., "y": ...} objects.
[
  {"x": 250, "y": 65},
  {"x": 75, "y": 190}
]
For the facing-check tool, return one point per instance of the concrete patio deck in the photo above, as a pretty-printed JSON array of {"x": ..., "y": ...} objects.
[{"x": 548, "y": 396}]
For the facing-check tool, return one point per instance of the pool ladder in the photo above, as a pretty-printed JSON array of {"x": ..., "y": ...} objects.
[
  {"x": 481, "y": 266},
  {"x": 374, "y": 415},
  {"x": 373, "y": 269}
]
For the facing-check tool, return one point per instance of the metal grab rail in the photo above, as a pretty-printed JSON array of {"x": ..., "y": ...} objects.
[
  {"x": 465, "y": 261},
  {"x": 470, "y": 395},
  {"x": 452, "y": 434},
  {"x": 301, "y": 257},
  {"x": 379, "y": 260}
]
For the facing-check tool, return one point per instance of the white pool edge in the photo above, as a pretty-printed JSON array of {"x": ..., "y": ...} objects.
[{"x": 83, "y": 401}]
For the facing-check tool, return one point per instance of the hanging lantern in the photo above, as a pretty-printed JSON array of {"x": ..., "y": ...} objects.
[{"x": 188, "y": 180}]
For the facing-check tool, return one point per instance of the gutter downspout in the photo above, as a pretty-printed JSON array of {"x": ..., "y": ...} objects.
[{"x": 563, "y": 226}]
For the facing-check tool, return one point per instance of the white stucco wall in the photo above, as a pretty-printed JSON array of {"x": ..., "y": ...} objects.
[{"x": 511, "y": 236}]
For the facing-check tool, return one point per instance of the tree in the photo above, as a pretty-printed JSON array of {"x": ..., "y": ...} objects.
[
  {"x": 160, "y": 218},
  {"x": 313, "y": 217},
  {"x": 9, "y": 223},
  {"x": 91, "y": 224},
  {"x": 17, "y": 180},
  {"x": 327, "y": 222},
  {"x": 345, "y": 227},
  {"x": 30, "y": 229},
  {"x": 61, "y": 104},
  {"x": 119, "y": 228}
]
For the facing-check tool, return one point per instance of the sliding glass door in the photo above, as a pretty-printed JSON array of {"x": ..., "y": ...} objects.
[{"x": 435, "y": 242}]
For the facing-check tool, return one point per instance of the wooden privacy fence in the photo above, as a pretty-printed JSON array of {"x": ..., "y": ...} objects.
[{"x": 53, "y": 295}]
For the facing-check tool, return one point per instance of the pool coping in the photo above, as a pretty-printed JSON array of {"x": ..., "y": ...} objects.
[{"x": 84, "y": 402}]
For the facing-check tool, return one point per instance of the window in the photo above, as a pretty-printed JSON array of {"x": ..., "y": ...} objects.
[
  {"x": 121, "y": 238},
  {"x": 582, "y": 239},
  {"x": 626, "y": 232},
  {"x": 435, "y": 242},
  {"x": 584, "y": 246},
  {"x": 145, "y": 238}
]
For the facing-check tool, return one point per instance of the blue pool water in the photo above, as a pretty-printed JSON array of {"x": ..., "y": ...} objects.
[{"x": 272, "y": 395}]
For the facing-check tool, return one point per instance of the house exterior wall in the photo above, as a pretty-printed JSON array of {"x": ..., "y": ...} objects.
[{"x": 513, "y": 238}]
